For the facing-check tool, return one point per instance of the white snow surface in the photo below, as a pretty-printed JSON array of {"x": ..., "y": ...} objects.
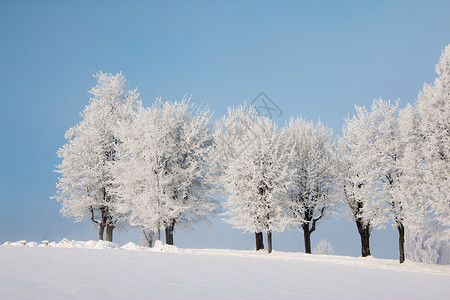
[{"x": 104, "y": 270}]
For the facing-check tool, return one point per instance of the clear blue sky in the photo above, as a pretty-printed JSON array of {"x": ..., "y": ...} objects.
[{"x": 312, "y": 58}]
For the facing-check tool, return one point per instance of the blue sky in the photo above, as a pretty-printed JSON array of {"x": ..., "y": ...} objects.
[{"x": 316, "y": 59}]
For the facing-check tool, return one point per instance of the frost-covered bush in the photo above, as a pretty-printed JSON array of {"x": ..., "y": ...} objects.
[
  {"x": 423, "y": 246},
  {"x": 323, "y": 247},
  {"x": 148, "y": 237}
]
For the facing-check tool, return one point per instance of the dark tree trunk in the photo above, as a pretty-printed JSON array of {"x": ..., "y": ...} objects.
[
  {"x": 109, "y": 232},
  {"x": 307, "y": 237},
  {"x": 269, "y": 241},
  {"x": 169, "y": 236},
  {"x": 401, "y": 241},
  {"x": 101, "y": 224},
  {"x": 101, "y": 230},
  {"x": 259, "y": 241},
  {"x": 169, "y": 232},
  {"x": 364, "y": 232},
  {"x": 307, "y": 230}
]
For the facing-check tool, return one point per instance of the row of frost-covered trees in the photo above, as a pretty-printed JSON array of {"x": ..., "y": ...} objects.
[{"x": 163, "y": 167}]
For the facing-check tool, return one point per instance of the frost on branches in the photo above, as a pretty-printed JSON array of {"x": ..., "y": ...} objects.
[
  {"x": 162, "y": 175},
  {"x": 426, "y": 246},
  {"x": 85, "y": 179},
  {"x": 433, "y": 108},
  {"x": 253, "y": 170},
  {"x": 312, "y": 166},
  {"x": 380, "y": 179},
  {"x": 381, "y": 185},
  {"x": 426, "y": 129},
  {"x": 357, "y": 159}
]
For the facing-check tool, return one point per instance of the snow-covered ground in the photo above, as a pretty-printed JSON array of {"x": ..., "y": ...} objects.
[{"x": 102, "y": 270}]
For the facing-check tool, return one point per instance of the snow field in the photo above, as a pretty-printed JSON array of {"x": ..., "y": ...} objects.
[{"x": 72, "y": 270}]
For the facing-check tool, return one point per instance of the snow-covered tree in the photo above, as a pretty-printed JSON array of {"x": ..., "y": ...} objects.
[
  {"x": 138, "y": 171},
  {"x": 253, "y": 169},
  {"x": 386, "y": 186},
  {"x": 411, "y": 184},
  {"x": 162, "y": 173},
  {"x": 433, "y": 109},
  {"x": 312, "y": 165},
  {"x": 356, "y": 165},
  {"x": 425, "y": 165},
  {"x": 381, "y": 162},
  {"x": 85, "y": 179}
]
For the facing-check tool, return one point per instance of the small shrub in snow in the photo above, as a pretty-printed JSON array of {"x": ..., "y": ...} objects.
[
  {"x": 323, "y": 247},
  {"x": 426, "y": 246}
]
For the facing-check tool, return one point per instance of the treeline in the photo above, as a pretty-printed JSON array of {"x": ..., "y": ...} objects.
[{"x": 163, "y": 167}]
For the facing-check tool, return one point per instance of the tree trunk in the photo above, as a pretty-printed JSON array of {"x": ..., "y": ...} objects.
[
  {"x": 259, "y": 241},
  {"x": 101, "y": 223},
  {"x": 269, "y": 241},
  {"x": 169, "y": 232},
  {"x": 401, "y": 241},
  {"x": 307, "y": 237},
  {"x": 101, "y": 230},
  {"x": 364, "y": 232},
  {"x": 109, "y": 232},
  {"x": 169, "y": 236}
]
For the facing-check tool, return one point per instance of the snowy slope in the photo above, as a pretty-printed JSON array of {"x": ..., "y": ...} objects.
[{"x": 101, "y": 270}]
